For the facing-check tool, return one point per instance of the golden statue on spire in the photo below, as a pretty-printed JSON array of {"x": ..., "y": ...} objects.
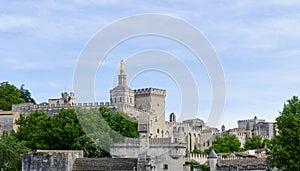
[{"x": 121, "y": 67}]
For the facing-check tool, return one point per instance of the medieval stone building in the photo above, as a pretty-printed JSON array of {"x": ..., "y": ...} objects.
[
  {"x": 162, "y": 144},
  {"x": 150, "y": 101}
]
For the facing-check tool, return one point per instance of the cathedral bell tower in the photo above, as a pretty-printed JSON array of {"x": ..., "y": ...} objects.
[{"x": 122, "y": 95}]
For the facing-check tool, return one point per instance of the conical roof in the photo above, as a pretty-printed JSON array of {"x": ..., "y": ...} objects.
[{"x": 212, "y": 154}]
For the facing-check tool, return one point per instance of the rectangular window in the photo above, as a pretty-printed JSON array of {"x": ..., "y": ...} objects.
[
  {"x": 165, "y": 166},
  {"x": 157, "y": 130}
]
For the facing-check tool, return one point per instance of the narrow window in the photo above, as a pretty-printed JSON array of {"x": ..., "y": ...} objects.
[
  {"x": 165, "y": 166},
  {"x": 157, "y": 130}
]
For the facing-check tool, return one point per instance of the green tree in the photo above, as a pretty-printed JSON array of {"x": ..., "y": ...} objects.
[
  {"x": 9, "y": 94},
  {"x": 64, "y": 131},
  {"x": 40, "y": 131},
  {"x": 254, "y": 142},
  {"x": 226, "y": 144},
  {"x": 285, "y": 147},
  {"x": 105, "y": 127},
  {"x": 90, "y": 148},
  {"x": 120, "y": 122},
  {"x": 26, "y": 95},
  {"x": 10, "y": 152},
  {"x": 34, "y": 130}
]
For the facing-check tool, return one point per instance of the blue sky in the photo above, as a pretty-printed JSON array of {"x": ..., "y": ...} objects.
[{"x": 257, "y": 43}]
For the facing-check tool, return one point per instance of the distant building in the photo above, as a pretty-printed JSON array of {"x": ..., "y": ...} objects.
[
  {"x": 65, "y": 99},
  {"x": 252, "y": 127},
  {"x": 7, "y": 120}
]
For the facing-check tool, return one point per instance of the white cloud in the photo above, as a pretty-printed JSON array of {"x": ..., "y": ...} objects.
[{"x": 11, "y": 23}]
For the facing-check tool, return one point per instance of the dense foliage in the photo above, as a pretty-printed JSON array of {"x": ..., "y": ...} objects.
[
  {"x": 92, "y": 132},
  {"x": 105, "y": 127},
  {"x": 226, "y": 144},
  {"x": 26, "y": 95},
  {"x": 254, "y": 142},
  {"x": 10, "y": 94},
  {"x": 10, "y": 152},
  {"x": 285, "y": 147}
]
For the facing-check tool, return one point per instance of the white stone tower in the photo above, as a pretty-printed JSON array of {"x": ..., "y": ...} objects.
[
  {"x": 122, "y": 95},
  {"x": 212, "y": 160},
  {"x": 152, "y": 100}
]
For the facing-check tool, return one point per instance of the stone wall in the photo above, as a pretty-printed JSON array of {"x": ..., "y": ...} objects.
[
  {"x": 47, "y": 160},
  {"x": 53, "y": 109},
  {"x": 7, "y": 119}
]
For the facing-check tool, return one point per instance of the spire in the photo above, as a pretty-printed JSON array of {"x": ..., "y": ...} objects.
[
  {"x": 122, "y": 67},
  {"x": 122, "y": 76},
  {"x": 212, "y": 154}
]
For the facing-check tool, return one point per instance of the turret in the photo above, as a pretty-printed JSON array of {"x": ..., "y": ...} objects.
[
  {"x": 254, "y": 132},
  {"x": 212, "y": 160},
  {"x": 223, "y": 129}
]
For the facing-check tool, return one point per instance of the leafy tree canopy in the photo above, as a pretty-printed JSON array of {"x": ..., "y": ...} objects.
[
  {"x": 285, "y": 147},
  {"x": 10, "y": 152},
  {"x": 254, "y": 142},
  {"x": 10, "y": 94},
  {"x": 26, "y": 95},
  {"x": 226, "y": 144},
  {"x": 93, "y": 134}
]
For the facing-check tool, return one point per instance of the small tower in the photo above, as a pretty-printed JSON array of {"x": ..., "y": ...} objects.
[
  {"x": 223, "y": 129},
  {"x": 254, "y": 132},
  {"x": 143, "y": 129},
  {"x": 212, "y": 160},
  {"x": 178, "y": 134}
]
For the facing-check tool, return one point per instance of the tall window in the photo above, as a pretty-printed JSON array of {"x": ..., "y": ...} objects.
[{"x": 165, "y": 166}]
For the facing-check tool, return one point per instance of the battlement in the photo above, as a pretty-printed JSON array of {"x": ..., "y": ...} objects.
[
  {"x": 127, "y": 106},
  {"x": 230, "y": 158},
  {"x": 245, "y": 120},
  {"x": 200, "y": 158},
  {"x": 194, "y": 155},
  {"x": 52, "y": 109},
  {"x": 147, "y": 91},
  {"x": 151, "y": 140},
  {"x": 46, "y": 105},
  {"x": 176, "y": 124},
  {"x": 251, "y": 120}
]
